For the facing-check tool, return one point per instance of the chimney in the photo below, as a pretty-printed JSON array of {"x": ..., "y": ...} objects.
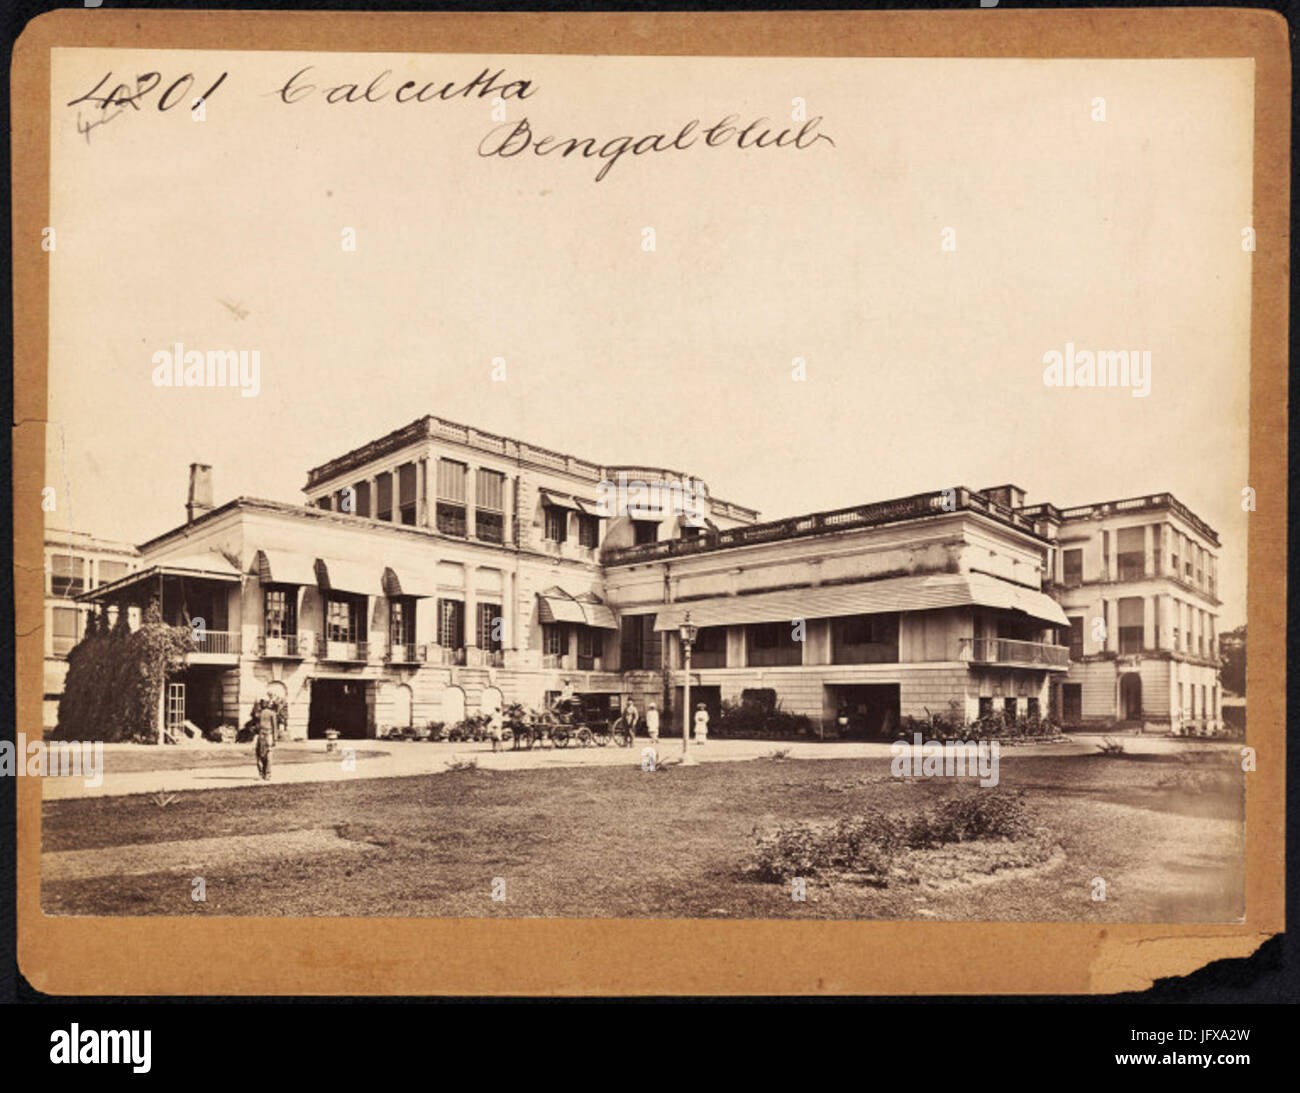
[{"x": 200, "y": 501}]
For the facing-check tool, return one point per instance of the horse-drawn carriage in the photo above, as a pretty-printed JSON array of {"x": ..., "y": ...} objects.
[{"x": 564, "y": 723}]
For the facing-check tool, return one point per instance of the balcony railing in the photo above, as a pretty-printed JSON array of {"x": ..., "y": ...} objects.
[
  {"x": 402, "y": 654},
  {"x": 1008, "y": 651},
  {"x": 939, "y": 503},
  {"x": 288, "y": 646},
  {"x": 443, "y": 654},
  {"x": 345, "y": 651},
  {"x": 216, "y": 641},
  {"x": 555, "y": 660}
]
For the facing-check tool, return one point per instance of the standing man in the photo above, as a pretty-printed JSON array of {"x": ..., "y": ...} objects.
[
  {"x": 630, "y": 717},
  {"x": 266, "y": 725}
]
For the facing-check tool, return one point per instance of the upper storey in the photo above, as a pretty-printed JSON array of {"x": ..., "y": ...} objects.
[{"x": 467, "y": 483}]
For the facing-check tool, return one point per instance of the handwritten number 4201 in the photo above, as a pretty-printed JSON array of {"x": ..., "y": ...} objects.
[{"x": 145, "y": 85}]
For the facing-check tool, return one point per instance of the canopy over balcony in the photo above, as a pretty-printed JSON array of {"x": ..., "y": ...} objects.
[
  {"x": 865, "y": 598},
  {"x": 143, "y": 583},
  {"x": 556, "y": 605},
  {"x": 284, "y": 567}
]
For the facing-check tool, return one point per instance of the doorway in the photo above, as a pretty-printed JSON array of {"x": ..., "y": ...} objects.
[
  {"x": 873, "y": 708},
  {"x": 1130, "y": 696},
  {"x": 337, "y": 704}
]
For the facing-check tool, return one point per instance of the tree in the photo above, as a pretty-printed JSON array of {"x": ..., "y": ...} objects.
[{"x": 1232, "y": 648}]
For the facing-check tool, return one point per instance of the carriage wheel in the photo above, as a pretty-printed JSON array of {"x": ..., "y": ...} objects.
[
  {"x": 584, "y": 738},
  {"x": 560, "y": 737}
]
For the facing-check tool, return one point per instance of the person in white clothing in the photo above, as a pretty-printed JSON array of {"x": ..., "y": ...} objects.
[
  {"x": 701, "y": 724},
  {"x": 652, "y": 722}
]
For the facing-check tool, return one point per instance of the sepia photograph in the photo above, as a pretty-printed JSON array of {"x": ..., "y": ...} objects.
[{"x": 541, "y": 485}]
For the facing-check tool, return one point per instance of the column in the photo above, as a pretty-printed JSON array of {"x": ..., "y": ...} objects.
[
  {"x": 374, "y": 497},
  {"x": 471, "y": 610},
  {"x": 1150, "y": 606},
  {"x": 1148, "y": 552},
  {"x": 421, "y": 495},
  {"x": 471, "y": 491}
]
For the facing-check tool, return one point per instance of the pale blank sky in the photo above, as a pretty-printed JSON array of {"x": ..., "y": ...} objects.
[{"x": 924, "y": 367}]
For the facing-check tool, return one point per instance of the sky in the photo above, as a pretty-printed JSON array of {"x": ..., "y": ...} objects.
[{"x": 922, "y": 364}]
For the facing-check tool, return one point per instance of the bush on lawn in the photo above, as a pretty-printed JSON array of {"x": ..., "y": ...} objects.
[
  {"x": 758, "y": 721},
  {"x": 871, "y": 841}
]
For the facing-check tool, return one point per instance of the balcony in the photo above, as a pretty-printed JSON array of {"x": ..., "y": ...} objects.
[
  {"x": 284, "y": 647},
  {"x": 443, "y": 654},
  {"x": 346, "y": 652},
  {"x": 402, "y": 654},
  {"x": 1029, "y": 654},
  {"x": 555, "y": 660},
  {"x": 476, "y": 657}
]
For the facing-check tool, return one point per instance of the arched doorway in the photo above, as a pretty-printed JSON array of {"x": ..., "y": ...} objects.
[
  {"x": 1130, "y": 696},
  {"x": 402, "y": 706},
  {"x": 490, "y": 700},
  {"x": 453, "y": 706}
]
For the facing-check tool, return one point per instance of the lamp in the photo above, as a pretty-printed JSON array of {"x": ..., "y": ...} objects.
[{"x": 688, "y": 632}]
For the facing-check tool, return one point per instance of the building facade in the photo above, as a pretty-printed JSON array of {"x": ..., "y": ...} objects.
[
  {"x": 442, "y": 571},
  {"x": 75, "y": 563},
  {"x": 1138, "y": 581}
]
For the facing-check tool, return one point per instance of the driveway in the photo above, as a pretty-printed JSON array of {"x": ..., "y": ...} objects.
[{"x": 397, "y": 759}]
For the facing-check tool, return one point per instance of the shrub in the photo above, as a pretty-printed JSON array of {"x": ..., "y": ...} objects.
[
  {"x": 981, "y": 814},
  {"x": 758, "y": 719}
]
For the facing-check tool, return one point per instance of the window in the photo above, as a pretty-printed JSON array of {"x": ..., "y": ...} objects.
[
  {"x": 589, "y": 643},
  {"x": 1130, "y": 547},
  {"x": 557, "y": 520},
  {"x": 1072, "y": 567},
  {"x": 1131, "y": 610},
  {"x": 864, "y": 639},
  {"x": 772, "y": 643},
  {"x": 361, "y": 498},
  {"x": 451, "y": 624},
  {"x": 341, "y": 619},
  {"x": 406, "y": 508},
  {"x": 554, "y": 639},
  {"x": 986, "y": 706},
  {"x": 451, "y": 497},
  {"x": 279, "y": 612},
  {"x": 1205, "y": 709},
  {"x": 1031, "y": 709},
  {"x": 645, "y": 531},
  {"x": 488, "y": 613},
  {"x": 66, "y": 628},
  {"x": 384, "y": 500},
  {"x": 710, "y": 649},
  {"x": 636, "y": 640},
  {"x": 325, "y": 503},
  {"x": 401, "y": 620},
  {"x": 588, "y": 530},
  {"x": 489, "y": 506},
  {"x": 1071, "y": 703},
  {"x": 1076, "y": 637},
  {"x": 67, "y": 575},
  {"x": 112, "y": 571},
  {"x": 1200, "y": 567},
  {"x": 1009, "y": 708}
]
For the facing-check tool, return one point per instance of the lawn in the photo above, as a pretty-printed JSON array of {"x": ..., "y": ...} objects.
[
  {"x": 1165, "y": 833},
  {"x": 123, "y": 761}
]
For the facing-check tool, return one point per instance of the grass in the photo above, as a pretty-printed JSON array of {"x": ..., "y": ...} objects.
[{"x": 1165, "y": 834}]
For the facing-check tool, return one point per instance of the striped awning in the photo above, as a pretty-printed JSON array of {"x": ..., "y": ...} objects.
[
  {"x": 558, "y": 500},
  {"x": 865, "y": 598},
  {"x": 556, "y": 605},
  {"x": 403, "y": 583},
  {"x": 335, "y": 576},
  {"x": 598, "y": 614},
  {"x": 284, "y": 567}
]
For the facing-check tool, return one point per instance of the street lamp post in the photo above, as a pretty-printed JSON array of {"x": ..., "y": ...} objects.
[{"x": 687, "y": 631}]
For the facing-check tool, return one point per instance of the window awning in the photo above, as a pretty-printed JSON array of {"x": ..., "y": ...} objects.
[
  {"x": 598, "y": 614},
  {"x": 865, "y": 598},
  {"x": 558, "y": 500},
  {"x": 402, "y": 584},
  {"x": 591, "y": 508},
  {"x": 556, "y": 605},
  {"x": 284, "y": 567},
  {"x": 352, "y": 577}
]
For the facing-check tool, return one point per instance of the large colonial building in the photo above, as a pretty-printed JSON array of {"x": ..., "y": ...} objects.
[
  {"x": 442, "y": 571},
  {"x": 75, "y": 563}
]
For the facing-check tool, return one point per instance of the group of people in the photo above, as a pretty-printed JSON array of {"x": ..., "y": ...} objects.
[{"x": 632, "y": 717}]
